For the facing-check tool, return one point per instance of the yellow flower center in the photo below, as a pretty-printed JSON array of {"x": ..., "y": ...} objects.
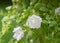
[{"x": 34, "y": 21}]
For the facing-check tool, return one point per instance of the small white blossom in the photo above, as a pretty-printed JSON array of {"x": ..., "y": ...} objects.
[
  {"x": 31, "y": 41},
  {"x": 12, "y": 17},
  {"x": 34, "y": 21},
  {"x": 6, "y": 20},
  {"x": 14, "y": 0},
  {"x": 8, "y": 8},
  {"x": 57, "y": 10},
  {"x": 18, "y": 33}
]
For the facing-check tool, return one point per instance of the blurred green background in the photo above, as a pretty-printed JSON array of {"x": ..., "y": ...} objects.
[{"x": 5, "y": 3}]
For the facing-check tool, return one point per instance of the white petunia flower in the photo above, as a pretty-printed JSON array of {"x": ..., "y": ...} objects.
[
  {"x": 34, "y": 21},
  {"x": 57, "y": 10},
  {"x": 18, "y": 33}
]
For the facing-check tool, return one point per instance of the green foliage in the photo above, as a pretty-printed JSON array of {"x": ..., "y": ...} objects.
[{"x": 17, "y": 15}]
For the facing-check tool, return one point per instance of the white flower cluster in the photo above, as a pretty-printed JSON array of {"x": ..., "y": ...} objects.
[
  {"x": 6, "y": 20},
  {"x": 57, "y": 10},
  {"x": 18, "y": 33},
  {"x": 8, "y": 8},
  {"x": 34, "y": 21}
]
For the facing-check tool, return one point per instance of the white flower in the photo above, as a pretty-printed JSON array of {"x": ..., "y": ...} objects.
[
  {"x": 31, "y": 41},
  {"x": 14, "y": 0},
  {"x": 12, "y": 17},
  {"x": 34, "y": 21},
  {"x": 8, "y": 8},
  {"x": 6, "y": 20},
  {"x": 18, "y": 33},
  {"x": 57, "y": 10}
]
